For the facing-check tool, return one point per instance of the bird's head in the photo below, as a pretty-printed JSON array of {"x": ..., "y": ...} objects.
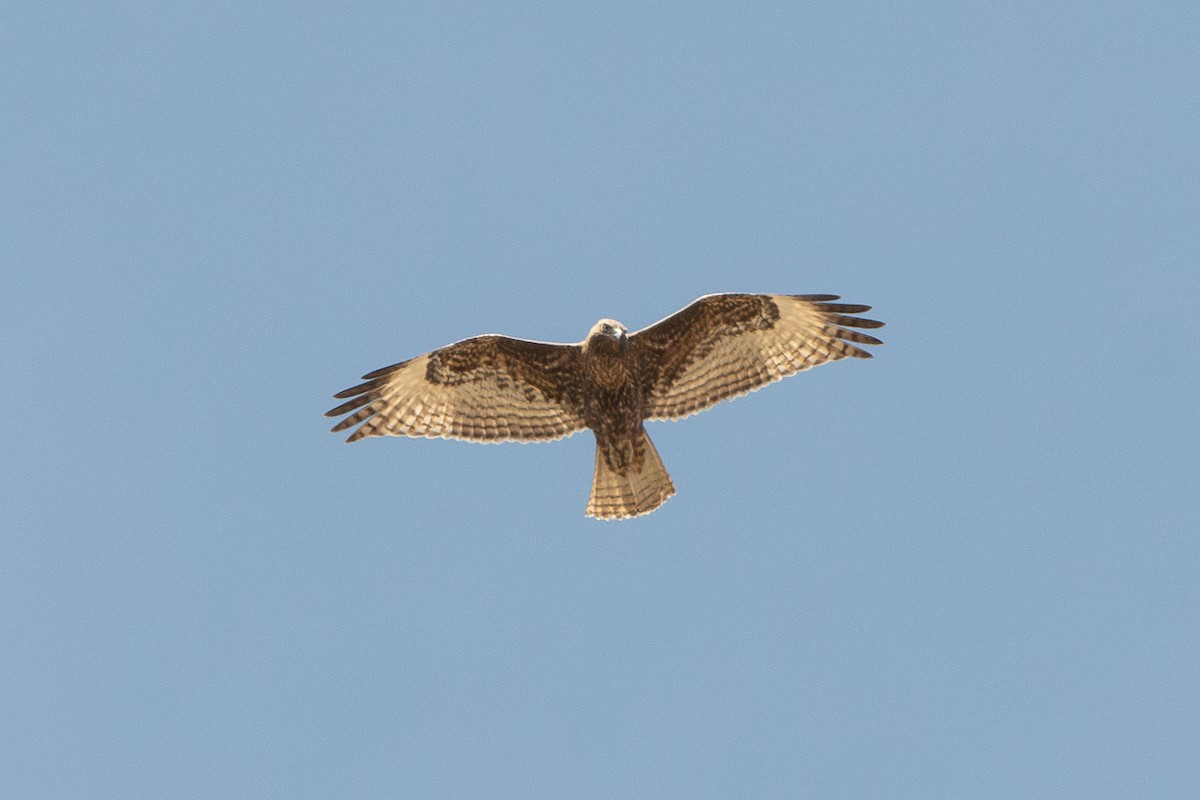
[{"x": 608, "y": 331}]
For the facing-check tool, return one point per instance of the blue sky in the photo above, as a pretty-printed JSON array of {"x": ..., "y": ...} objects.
[{"x": 967, "y": 568}]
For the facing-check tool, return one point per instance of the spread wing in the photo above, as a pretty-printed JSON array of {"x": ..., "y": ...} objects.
[
  {"x": 486, "y": 389},
  {"x": 725, "y": 345}
]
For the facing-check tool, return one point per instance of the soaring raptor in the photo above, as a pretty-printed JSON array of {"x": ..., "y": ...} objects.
[{"x": 494, "y": 388}]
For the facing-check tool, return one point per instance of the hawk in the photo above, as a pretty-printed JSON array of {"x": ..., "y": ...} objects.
[{"x": 495, "y": 388}]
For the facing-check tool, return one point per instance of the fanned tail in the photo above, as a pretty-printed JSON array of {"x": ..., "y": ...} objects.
[{"x": 629, "y": 480}]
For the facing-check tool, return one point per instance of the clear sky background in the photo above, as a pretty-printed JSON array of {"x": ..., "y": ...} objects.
[{"x": 965, "y": 569}]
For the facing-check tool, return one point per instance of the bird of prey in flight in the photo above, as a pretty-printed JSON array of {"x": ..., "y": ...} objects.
[{"x": 495, "y": 388}]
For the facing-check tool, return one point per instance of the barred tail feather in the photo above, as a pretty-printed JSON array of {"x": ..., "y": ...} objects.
[{"x": 629, "y": 491}]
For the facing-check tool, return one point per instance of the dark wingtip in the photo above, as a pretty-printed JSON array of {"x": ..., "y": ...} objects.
[
  {"x": 379, "y": 373},
  {"x": 361, "y": 388},
  {"x": 855, "y": 336},
  {"x": 863, "y": 322},
  {"x": 349, "y": 405},
  {"x": 844, "y": 308}
]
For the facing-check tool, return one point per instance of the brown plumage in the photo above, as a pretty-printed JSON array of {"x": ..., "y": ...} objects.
[{"x": 494, "y": 388}]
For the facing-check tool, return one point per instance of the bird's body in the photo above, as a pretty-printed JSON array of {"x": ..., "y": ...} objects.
[
  {"x": 623, "y": 483},
  {"x": 495, "y": 388}
]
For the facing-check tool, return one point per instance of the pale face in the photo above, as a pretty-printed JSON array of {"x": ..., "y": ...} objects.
[{"x": 608, "y": 327}]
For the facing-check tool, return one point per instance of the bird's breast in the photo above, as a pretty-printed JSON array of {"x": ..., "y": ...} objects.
[
  {"x": 609, "y": 373},
  {"x": 612, "y": 395}
]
